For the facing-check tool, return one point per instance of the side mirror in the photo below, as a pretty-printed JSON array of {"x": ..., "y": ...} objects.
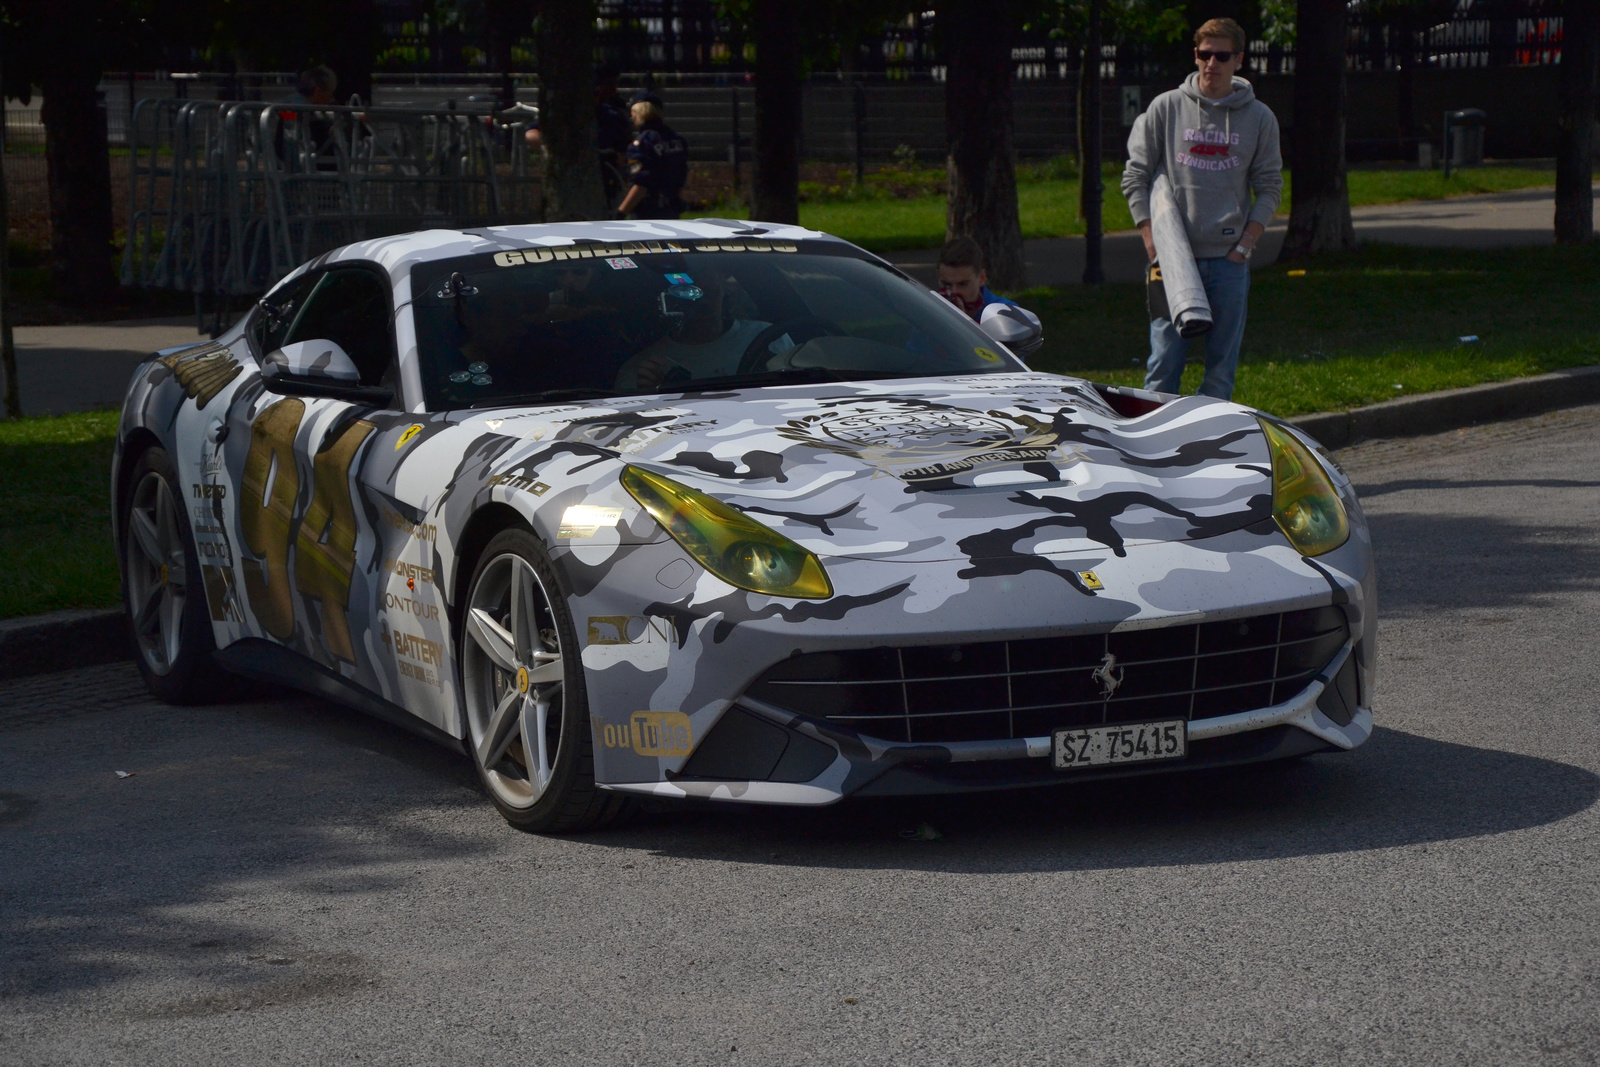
[
  {"x": 311, "y": 359},
  {"x": 1013, "y": 327},
  {"x": 318, "y": 368}
]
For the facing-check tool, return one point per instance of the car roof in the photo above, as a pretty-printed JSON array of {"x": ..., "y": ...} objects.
[{"x": 398, "y": 253}]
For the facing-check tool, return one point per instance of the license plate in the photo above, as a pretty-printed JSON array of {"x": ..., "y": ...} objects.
[{"x": 1135, "y": 742}]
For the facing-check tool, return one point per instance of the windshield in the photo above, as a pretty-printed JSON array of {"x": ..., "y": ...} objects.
[{"x": 526, "y": 326}]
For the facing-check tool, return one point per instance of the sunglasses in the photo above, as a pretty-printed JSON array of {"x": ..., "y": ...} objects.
[{"x": 1205, "y": 57}]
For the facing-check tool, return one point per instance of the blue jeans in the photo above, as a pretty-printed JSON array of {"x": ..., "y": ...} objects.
[{"x": 1227, "y": 289}]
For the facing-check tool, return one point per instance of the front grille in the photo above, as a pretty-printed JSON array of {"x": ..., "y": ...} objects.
[{"x": 1003, "y": 689}]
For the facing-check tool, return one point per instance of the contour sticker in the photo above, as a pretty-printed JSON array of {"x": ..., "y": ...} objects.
[
  {"x": 582, "y": 520},
  {"x": 405, "y": 438},
  {"x": 988, "y": 355},
  {"x": 622, "y": 263}
]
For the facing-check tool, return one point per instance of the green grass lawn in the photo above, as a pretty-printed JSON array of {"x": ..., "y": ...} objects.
[
  {"x": 55, "y": 518},
  {"x": 1048, "y": 202},
  {"x": 1358, "y": 328}
]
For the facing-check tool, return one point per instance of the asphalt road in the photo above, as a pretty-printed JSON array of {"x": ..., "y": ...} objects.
[{"x": 288, "y": 882}]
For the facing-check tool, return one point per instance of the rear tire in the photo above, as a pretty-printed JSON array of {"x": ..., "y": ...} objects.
[
  {"x": 163, "y": 589},
  {"x": 527, "y": 712}
]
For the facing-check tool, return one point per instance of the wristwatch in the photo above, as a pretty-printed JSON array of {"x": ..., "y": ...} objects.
[{"x": 1243, "y": 251}]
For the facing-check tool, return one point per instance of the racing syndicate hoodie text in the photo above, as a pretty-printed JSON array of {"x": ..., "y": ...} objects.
[{"x": 1216, "y": 153}]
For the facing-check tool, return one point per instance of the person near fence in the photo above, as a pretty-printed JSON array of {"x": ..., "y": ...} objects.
[
  {"x": 658, "y": 163},
  {"x": 1218, "y": 146},
  {"x": 964, "y": 281},
  {"x": 314, "y": 88}
]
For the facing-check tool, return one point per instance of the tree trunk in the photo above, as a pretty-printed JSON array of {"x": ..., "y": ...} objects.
[
  {"x": 775, "y": 186},
  {"x": 1580, "y": 51},
  {"x": 80, "y": 183},
  {"x": 566, "y": 39},
  {"x": 1091, "y": 193},
  {"x": 10, "y": 393},
  {"x": 978, "y": 128},
  {"x": 1319, "y": 214}
]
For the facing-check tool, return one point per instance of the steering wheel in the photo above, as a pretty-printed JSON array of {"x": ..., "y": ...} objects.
[{"x": 800, "y": 330}]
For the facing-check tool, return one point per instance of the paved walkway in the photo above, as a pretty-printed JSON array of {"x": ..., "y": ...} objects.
[
  {"x": 1498, "y": 220},
  {"x": 80, "y": 368},
  {"x": 76, "y": 368}
]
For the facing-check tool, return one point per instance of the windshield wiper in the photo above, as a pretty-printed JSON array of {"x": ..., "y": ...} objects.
[{"x": 586, "y": 393}]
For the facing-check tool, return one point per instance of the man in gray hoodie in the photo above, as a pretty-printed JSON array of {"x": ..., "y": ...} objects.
[{"x": 1217, "y": 144}]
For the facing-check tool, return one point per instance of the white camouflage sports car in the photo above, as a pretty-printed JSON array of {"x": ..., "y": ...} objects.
[{"x": 726, "y": 510}]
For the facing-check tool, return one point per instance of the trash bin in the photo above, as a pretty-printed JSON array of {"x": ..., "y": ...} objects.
[{"x": 1463, "y": 138}]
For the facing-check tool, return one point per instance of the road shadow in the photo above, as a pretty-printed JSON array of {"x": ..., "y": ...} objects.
[
  {"x": 1398, "y": 790},
  {"x": 285, "y": 806},
  {"x": 1429, "y": 561}
]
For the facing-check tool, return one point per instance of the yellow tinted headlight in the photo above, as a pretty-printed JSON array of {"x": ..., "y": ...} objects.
[
  {"x": 1304, "y": 502},
  {"x": 727, "y": 542}
]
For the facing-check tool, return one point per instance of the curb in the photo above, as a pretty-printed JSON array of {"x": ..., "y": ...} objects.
[
  {"x": 62, "y": 640},
  {"x": 1454, "y": 408}
]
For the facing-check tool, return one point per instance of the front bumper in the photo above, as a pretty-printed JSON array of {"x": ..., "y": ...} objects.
[
  {"x": 863, "y": 766},
  {"x": 693, "y": 662}
]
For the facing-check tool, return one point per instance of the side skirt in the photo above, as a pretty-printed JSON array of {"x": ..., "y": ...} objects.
[{"x": 254, "y": 657}]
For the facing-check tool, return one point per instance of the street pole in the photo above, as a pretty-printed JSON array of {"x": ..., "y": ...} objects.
[
  {"x": 1090, "y": 190},
  {"x": 8, "y": 348}
]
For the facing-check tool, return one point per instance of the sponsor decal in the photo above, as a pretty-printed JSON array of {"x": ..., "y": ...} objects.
[
  {"x": 406, "y": 435},
  {"x": 582, "y": 520},
  {"x": 421, "y": 531},
  {"x": 919, "y": 442},
  {"x": 643, "y": 642},
  {"x": 411, "y": 572},
  {"x": 650, "y": 733},
  {"x": 628, "y": 629},
  {"x": 622, "y": 263},
  {"x": 1090, "y": 580},
  {"x": 520, "y": 481},
  {"x": 614, "y": 250},
  {"x": 406, "y": 605},
  {"x": 988, "y": 355},
  {"x": 416, "y": 657},
  {"x": 220, "y": 597},
  {"x": 211, "y": 552},
  {"x": 206, "y": 491},
  {"x": 203, "y": 374}
]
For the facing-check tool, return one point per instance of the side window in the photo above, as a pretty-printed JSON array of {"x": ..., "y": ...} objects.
[
  {"x": 277, "y": 314},
  {"x": 350, "y": 307}
]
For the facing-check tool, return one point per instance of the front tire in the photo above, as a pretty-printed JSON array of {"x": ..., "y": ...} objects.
[
  {"x": 163, "y": 590},
  {"x": 526, "y": 707}
]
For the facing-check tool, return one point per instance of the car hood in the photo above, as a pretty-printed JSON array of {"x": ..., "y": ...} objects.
[{"x": 941, "y": 468}]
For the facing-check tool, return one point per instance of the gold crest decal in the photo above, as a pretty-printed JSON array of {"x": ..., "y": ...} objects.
[{"x": 1090, "y": 580}]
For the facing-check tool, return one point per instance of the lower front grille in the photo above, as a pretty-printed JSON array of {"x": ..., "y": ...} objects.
[{"x": 992, "y": 690}]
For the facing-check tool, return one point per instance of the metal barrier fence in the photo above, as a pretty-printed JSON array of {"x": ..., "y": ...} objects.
[{"x": 226, "y": 197}]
